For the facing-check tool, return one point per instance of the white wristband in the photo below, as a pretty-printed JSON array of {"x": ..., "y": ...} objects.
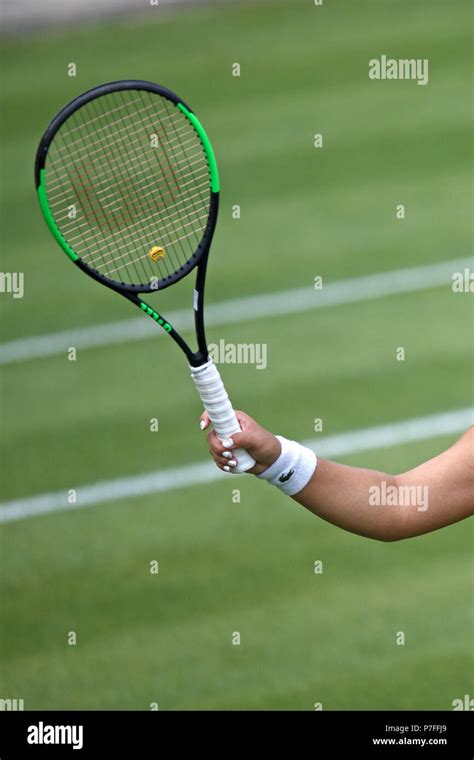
[{"x": 293, "y": 469}]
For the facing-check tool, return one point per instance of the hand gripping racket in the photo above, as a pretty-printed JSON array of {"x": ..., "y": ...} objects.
[{"x": 127, "y": 182}]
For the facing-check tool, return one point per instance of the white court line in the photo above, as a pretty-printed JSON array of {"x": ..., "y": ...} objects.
[
  {"x": 239, "y": 310},
  {"x": 341, "y": 444}
]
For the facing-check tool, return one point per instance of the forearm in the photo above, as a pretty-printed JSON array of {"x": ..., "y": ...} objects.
[
  {"x": 342, "y": 496},
  {"x": 391, "y": 507},
  {"x": 432, "y": 495}
]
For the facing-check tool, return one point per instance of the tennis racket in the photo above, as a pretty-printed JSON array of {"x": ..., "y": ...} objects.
[{"x": 128, "y": 185}]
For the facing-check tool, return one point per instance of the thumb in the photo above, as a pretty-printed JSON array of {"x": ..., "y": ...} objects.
[{"x": 244, "y": 440}]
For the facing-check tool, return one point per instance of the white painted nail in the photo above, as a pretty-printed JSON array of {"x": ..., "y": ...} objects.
[
  {"x": 227, "y": 443},
  {"x": 232, "y": 463},
  {"x": 226, "y": 469},
  {"x": 202, "y": 424},
  {"x": 227, "y": 454}
]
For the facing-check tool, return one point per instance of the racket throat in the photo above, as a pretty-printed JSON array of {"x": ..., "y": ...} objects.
[
  {"x": 198, "y": 359},
  {"x": 156, "y": 316}
]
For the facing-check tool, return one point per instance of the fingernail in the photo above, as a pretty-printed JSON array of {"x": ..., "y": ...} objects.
[
  {"x": 226, "y": 469},
  {"x": 232, "y": 463},
  {"x": 202, "y": 424},
  {"x": 227, "y": 443},
  {"x": 227, "y": 454}
]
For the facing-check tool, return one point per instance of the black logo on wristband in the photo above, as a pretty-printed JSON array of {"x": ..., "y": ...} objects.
[{"x": 284, "y": 478}]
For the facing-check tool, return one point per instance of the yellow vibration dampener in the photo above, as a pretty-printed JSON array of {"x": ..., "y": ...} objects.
[{"x": 156, "y": 253}]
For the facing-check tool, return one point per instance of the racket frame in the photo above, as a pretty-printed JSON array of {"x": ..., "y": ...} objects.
[{"x": 200, "y": 256}]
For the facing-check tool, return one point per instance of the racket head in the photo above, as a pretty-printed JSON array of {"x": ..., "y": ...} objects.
[{"x": 128, "y": 185}]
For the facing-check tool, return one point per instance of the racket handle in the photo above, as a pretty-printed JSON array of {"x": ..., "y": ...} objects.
[{"x": 216, "y": 401}]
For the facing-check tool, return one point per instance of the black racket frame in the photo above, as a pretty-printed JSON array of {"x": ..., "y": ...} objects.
[{"x": 198, "y": 259}]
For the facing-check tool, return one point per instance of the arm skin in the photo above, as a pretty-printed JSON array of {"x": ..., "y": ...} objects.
[{"x": 340, "y": 494}]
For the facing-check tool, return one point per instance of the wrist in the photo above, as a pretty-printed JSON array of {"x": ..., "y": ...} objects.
[
  {"x": 292, "y": 469},
  {"x": 266, "y": 453}
]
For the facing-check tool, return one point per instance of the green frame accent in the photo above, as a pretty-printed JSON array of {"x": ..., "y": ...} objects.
[
  {"x": 43, "y": 201},
  {"x": 156, "y": 316},
  {"x": 207, "y": 146}
]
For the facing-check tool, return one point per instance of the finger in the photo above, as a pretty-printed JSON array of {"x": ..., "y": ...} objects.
[
  {"x": 222, "y": 462},
  {"x": 243, "y": 440},
  {"x": 244, "y": 420},
  {"x": 248, "y": 436},
  {"x": 215, "y": 445},
  {"x": 205, "y": 420},
  {"x": 228, "y": 466},
  {"x": 219, "y": 458}
]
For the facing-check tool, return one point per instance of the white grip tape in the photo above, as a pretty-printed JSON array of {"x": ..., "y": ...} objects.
[{"x": 216, "y": 401}]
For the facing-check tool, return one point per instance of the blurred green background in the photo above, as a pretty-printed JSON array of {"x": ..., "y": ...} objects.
[{"x": 245, "y": 567}]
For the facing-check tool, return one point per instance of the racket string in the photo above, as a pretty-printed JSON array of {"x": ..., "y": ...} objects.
[
  {"x": 164, "y": 202},
  {"x": 109, "y": 158},
  {"x": 180, "y": 213},
  {"x": 186, "y": 254},
  {"x": 167, "y": 242},
  {"x": 182, "y": 148},
  {"x": 133, "y": 195}
]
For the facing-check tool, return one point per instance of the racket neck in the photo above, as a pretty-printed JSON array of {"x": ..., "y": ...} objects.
[
  {"x": 201, "y": 356},
  {"x": 199, "y": 313}
]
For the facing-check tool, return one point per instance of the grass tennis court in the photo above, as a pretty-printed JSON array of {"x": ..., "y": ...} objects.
[{"x": 247, "y": 566}]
